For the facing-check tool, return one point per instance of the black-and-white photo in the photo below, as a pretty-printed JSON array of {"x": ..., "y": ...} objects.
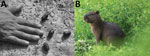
[{"x": 37, "y": 28}]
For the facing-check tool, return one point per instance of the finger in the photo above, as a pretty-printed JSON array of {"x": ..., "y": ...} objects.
[
  {"x": 15, "y": 40},
  {"x": 30, "y": 30},
  {"x": 31, "y": 24},
  {"x": 26, "y": 36}
]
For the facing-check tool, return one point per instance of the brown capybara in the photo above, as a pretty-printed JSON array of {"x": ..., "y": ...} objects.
[{"x": 105, "y": 31}]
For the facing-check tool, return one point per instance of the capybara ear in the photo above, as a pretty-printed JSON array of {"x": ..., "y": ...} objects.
[
  {"x": 15, "y": 10},
  {"x": 97, "y": 12}
]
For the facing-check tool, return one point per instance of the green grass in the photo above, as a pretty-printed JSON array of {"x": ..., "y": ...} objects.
[
  {"x": 140, "y": 47},
  {"x": 133, "y": 16}
]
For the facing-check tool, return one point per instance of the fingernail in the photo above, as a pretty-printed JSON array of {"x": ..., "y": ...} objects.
[
  {"x": 26, "y": 43},
  {"x": 37, "y": 38},
  {"x": 39, "y": 25},
  {"x": 41, "y": 33}
]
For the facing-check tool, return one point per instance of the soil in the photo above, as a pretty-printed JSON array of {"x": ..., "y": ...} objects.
[{"x": 58, "y": 28}]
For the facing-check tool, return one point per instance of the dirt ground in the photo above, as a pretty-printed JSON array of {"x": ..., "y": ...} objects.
[{"x": 60, "y": 20}]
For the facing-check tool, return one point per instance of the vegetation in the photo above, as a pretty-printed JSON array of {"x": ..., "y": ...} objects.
[{"x": 131, "y": 15}]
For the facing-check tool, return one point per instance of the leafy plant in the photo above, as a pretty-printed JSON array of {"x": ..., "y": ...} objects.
[{"x": 131, "y": 15}]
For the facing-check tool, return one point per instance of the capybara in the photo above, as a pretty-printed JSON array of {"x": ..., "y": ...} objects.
[{"x": 105, "y": 31}]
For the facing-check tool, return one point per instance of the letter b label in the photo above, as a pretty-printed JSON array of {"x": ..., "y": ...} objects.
[{"x": 77, "y": 3}]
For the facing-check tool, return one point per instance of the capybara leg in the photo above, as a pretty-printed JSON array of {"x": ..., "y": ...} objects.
[{"x": 97, "y": 40}]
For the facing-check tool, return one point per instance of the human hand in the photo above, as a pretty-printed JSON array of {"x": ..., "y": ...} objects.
[{"x": 15, "y": 30}]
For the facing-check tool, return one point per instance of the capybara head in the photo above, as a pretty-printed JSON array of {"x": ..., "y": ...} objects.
[{"x": 91, "y": 17}]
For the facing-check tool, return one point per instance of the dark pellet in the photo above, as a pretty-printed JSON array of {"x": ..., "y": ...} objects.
[
  {"x": 44, "y": 17},
  {"x": 46, "y": 47},
  {"x": 50, "y": 34},
  {"x": 66, "y": 35}
]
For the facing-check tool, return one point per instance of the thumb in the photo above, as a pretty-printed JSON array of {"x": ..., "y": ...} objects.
[{"x": 15, "y": 10}]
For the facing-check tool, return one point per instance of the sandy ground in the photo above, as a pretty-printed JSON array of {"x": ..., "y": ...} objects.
[{"x": 60, "y": 20}]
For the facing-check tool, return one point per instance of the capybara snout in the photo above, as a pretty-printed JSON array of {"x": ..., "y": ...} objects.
[{"x": 85, "y": 17}]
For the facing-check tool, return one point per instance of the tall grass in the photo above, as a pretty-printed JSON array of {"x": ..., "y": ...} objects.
[
  {"x": 139, "y": 47},
  {"x": 131, "y": 15}
]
